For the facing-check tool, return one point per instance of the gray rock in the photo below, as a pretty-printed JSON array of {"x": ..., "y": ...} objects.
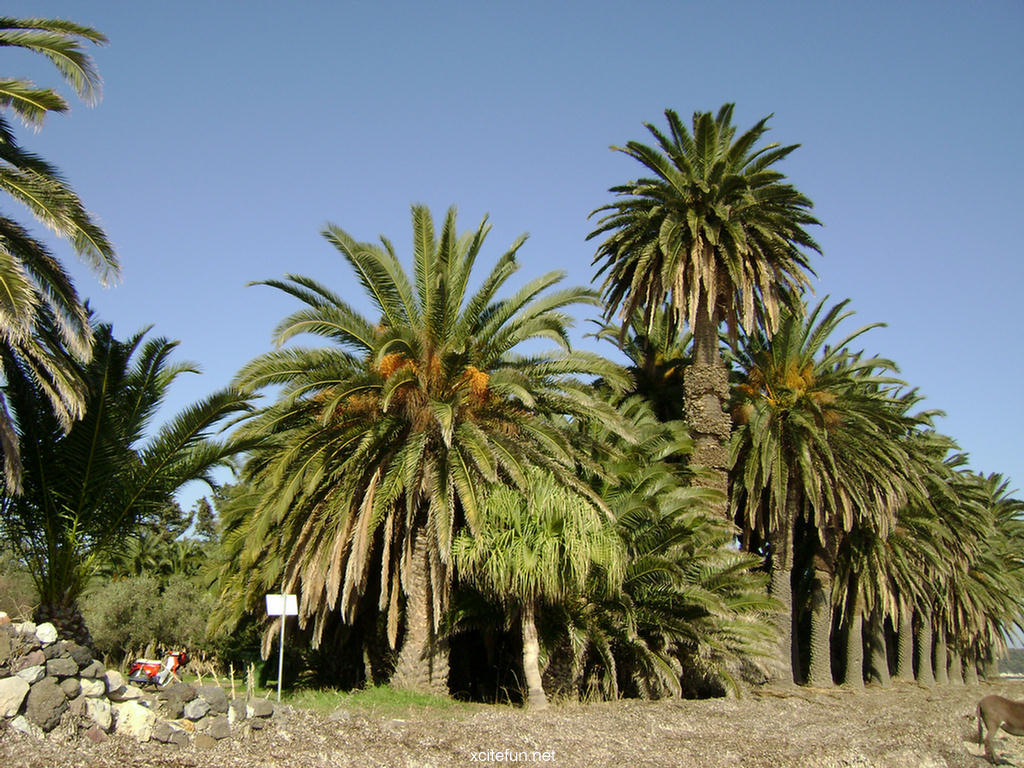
[
  {"x": 30, "y": 659},
  {"x": 53, "y": 650},
  {"x": 196, "y": 709},
  {"x": 256, "y": 724},
  {"x": 46, "y": 633},
  {"x": 99, "y": 710},
  {"x": 236, "y": 711},
  {"x": 12, "y": 693},
  {"x": 133, "y": 719},
  {"x": 124, "y": 693},
  {"x": 92, "y": 688},
  {"x": 21, "y": 723},
  {"x": 93, "y": 671},
  {"x": 162, "y": 732},
  {"x": 96, "y": 735},
  {"x": 179, "y": 738},
  {"x": 32, "y": 675},
  {"x": 115, "y": 681},
  {"x": 215, "y": 696},
  {"x": 45, "y": 704},
  {"x": 219, "y": 727},
  {"x": 27, "y": 628},
  {"x": 81, "y": 654},
  {"x": 259, "y": 708},
  {"x": 62, "y": 666},
  {"x": 71, "y": 686}
]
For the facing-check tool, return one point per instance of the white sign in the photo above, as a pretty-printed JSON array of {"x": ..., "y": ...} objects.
[{"x": 286, "y": 604}]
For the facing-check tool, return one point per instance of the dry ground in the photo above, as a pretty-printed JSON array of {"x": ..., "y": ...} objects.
[{"x": 902, "y": 727}]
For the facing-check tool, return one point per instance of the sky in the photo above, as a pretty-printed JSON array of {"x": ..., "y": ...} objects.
[{"x": 230, "y": 133}]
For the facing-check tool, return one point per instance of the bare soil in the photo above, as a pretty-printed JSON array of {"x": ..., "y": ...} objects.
[{"x": 904, "y": 726}]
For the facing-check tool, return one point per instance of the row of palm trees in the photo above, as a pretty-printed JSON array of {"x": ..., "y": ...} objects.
[{"x": 763, "y": 504}]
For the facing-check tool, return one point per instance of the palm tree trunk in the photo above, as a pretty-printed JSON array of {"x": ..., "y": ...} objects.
[
  {"x": 905, "y": 645},
  {"x": 878, "y": 661},
  {"x": 970, "y": 669},
  {"x": 423, "y": 660},
  {"x": 67, "y": 618},
  {"x": 854, "y": 671},
  {"x": 941, "y": 657},
  {"x": 819, "y": 672},
  {"x": 536, "y": 699},
  {"x": 705, "y": 392},
  {"x": 780, "y": 587},
  {"x": 925, "y": 670},
  {"x": 990, "y": 666},
  {"x": 956, "y": 668}
]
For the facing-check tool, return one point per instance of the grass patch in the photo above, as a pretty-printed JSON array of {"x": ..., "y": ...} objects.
[{"x": 380, "y": 701}]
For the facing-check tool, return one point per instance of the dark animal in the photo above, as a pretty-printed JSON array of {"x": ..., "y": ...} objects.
[{"x": 995, "y": 711}]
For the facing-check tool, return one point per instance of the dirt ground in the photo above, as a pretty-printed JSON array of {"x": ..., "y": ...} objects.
[{"x": 904, "y": 726}]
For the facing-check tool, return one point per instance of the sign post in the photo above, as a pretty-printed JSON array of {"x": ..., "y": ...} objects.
[{"x": 283, "y": 606}]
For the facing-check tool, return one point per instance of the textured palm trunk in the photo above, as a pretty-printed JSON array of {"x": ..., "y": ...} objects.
[
  {"x": 990, "y": 667},
  {"x": 780, "y": 587},
  {"x": 941, "y": 657},
  {"x": 705, "y": 392},
  {"x": 536, "y": 699},
  {"x": 423, "y": 660},
  {"x": 853, "y": 673},
  {"x": 878, "y": 660},
  {"x": 925, "y": 670},
  {"x": 956, "y": 668},
  {"x": 819, "y": 671},
  {"x": 970, "y": 670},
  {"x": 905, "y": 646},
  {"x": 68, "y": 620}
]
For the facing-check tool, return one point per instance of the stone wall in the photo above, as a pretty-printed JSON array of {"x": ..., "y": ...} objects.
[{"x": 46, "y": 683}]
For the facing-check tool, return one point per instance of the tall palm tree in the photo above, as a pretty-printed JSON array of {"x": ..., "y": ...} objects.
[
  {"x": 85, "y": 492},
  {"x": 43, "y": 323},
  {"x": 716, "y": 235},
  {"x": 538, "y": 546},
  {"x": 380, "y": 445},
  {"x": 817, "y": 440}
]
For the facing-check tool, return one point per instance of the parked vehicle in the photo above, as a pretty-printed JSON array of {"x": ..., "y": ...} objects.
[{"x": 153, "y": 672}]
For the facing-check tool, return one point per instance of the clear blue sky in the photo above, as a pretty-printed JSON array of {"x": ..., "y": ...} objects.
[{"x": 231, "y": 132}]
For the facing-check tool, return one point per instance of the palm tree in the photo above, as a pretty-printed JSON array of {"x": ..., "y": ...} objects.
[
  {"x": 87, "y": 491},
  {"x": 43, "y": 323},
  {"x": 535, "y": 547},
  {"x": 716, "y": 235},
  {"x": 817, "y": 441},
  {"x": 380, "y": 446}
]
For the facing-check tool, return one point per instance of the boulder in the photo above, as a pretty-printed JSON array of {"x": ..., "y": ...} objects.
[
  {"x": 205, "y": 741},
  {"x": 32, "y": 675},
  {"x": 133, "y": 719},
  {"x": 45, "y": 704},
  {"x": 96, "y": 735},
  {"x": 179, "y": 738},
  {"x": 92, "y": 688},
  {"x": 12, "y": 693},
  {"x": 71, "y": 686},
  {"x": 30, "y": 659},
  {"x": 53, "y": 650},
  {"x": 62, "y": 666},
  {"x": 236, "y": 711},
  {"x": 219, "y": 727},
  {"x": 21, "y": 723},
  {"x": 259, "y": 708},
  {"x": 46, "y": 633},
  {"x": 196, "y": 708},
  {"x": 81, "y": 654},
  {"x": 125, "y": 693},
  {"x": 26, "y": 628},
  {"x": 101, "y": 713},
  {"x": 114, "y": 680},
  {"x": 94, "y": 671},
  {"x": 174, "y": 698},
  {"x": 215, "y": 697}
]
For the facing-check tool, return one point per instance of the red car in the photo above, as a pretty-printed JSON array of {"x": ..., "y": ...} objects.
[{"x": 157, "y": 672}]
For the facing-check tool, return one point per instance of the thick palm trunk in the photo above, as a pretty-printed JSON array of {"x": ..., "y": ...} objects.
[
  {"x": 905, "y": 646},
  {"x": 925, "y": 670},
  {"x": 780, "y": 587},
  {"x": 819, "y": 672},
  {"x": 536, "y": 699},
  {"x": 990, "y": 667},
  {"x": 853, "y": 674},
  {"x": 956, "y": 668},
  {"x": 705, "y": 392},
  {"x": 878, "y": 660},
  {"x": 423, "y": 661},
  {"x": 68, "y": 620},
  {"x": 970, "y": 670},
  {"x": 941, "y": 657}
]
